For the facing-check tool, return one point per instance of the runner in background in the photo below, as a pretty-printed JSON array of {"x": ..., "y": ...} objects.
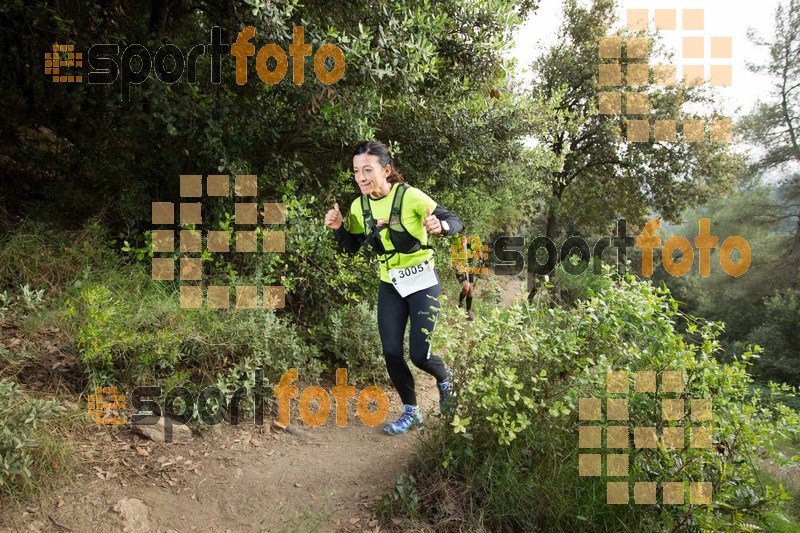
[{"x": 468, "y": 278}]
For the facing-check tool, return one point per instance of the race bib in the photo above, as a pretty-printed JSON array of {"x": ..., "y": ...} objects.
[{"x": 415, "y": 278}]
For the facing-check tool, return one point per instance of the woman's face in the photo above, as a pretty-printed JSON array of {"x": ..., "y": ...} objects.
[{"x": 370, "y": 175}]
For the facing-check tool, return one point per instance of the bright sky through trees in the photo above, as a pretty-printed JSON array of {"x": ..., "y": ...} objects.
[{"x": 722, "y": 19}]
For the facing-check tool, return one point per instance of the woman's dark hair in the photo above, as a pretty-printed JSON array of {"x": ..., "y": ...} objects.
[{"x": 380, "y": 150}]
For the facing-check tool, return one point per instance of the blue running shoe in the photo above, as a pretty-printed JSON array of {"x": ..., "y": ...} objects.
[
  {"x": 411, "y": 417},
  {"x": 446, "y": 394}
]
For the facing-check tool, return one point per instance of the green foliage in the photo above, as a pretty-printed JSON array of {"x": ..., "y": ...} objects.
[
  {"x": 587, "y": 279},
  {"x": 24, "y": 441},
  {"x": 426, "y": 75},
  {"x": 350, "y": 334},
  {"x": 514, "y": 439},
  {"x": 131, "y": 329},
  {"x": 313, "y": 271},
  {"x": 26, "y": 300},
  {"x": 779, "y": 336},
  {"x": 255, "y": 341},
  {"x": 113, "y": 341},
  {"x": 750, "y": 305},
  {"x": 402, "y": 499},
  {"x": 316, "y": 274}
]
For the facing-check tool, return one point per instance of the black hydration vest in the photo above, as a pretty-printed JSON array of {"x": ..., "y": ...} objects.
[{"x": 403, "y": 241}]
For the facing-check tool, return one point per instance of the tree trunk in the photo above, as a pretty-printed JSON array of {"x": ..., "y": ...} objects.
[
  {"x": 794, "y": 258},
  {"x": 551, "y": 232}
]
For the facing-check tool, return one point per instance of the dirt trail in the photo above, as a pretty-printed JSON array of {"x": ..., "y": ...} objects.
[
  {"x": 233, "y": 478},
  {"x": 510, "y": 288}
]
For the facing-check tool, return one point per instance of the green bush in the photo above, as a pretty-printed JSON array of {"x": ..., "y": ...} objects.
[
  {"x": 779, "y": 335},
  {"x": 28, "y": 451},
  {"x": 576, "y": 287},
  {"x": 508, "y": 457},
  {"x": 127, "y": 334},
  {"x": 317, "y": 275},
  {"x": 351, "y": 334},
  {"x": 131, "y": 330},
  {"x": 253, "y": 341}
]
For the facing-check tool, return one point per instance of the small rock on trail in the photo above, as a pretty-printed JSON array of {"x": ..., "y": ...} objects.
[{"x": 134, "y": 514}]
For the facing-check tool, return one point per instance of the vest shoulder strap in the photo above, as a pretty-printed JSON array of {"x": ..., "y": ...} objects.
[
  {"x": 397, "y": 203},
  {"x": 366, "y": 213}
]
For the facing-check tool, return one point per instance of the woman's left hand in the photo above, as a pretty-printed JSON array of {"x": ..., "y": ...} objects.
[{"x": 431, "y": 223}]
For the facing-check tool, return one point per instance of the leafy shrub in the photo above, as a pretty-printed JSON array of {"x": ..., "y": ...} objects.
[
  {"x": 27, "y": 300},
  {"x": 24, "y": 440},
  {"x": 779, "y": 335},
  {"x": 351, "y": 335},
  {"x": 317, "y": 275},
  {"x": 113, "y": 342},
  {"x": 262, "y": 341},
  {"x": 575, "y": 287},
  {"x": 129, "y": 329},
  {"x": 509, "y": 454}
]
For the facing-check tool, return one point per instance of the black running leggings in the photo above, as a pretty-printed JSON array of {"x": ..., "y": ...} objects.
[{"x": 393, "y": 313}]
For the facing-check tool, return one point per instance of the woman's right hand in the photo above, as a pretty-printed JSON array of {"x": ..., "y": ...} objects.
[{"x": 334, "y": 217}]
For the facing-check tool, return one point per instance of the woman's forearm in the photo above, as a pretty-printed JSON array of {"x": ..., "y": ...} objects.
[
  {"x": 347, "y": 241},
  {"x": 454, "y": 224}
]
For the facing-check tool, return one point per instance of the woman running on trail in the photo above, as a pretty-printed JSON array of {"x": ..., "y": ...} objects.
[{"x": 393, "y": 220}]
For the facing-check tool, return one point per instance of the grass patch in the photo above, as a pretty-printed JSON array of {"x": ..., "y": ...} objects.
[
  {"x": 35, "y": 449},
  {"x": 42, "y": 257}
]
